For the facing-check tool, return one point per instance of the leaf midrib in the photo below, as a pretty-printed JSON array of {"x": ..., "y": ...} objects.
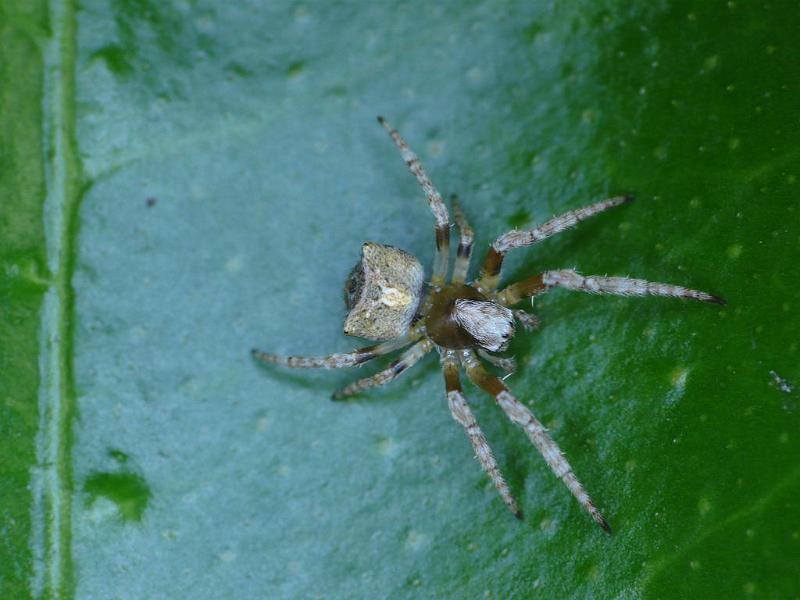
[{"x": 52, "y": 569}]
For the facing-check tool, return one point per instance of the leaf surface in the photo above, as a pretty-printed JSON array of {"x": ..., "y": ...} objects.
[{"x": 207, "y": 176}]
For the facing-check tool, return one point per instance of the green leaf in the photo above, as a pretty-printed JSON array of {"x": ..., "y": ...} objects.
[
  {"x": 23, "y": 280},
  {"x": 184, "y": 181}
]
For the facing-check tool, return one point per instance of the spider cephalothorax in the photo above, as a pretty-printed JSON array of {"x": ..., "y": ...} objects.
[{"x": 463, "y": 321}]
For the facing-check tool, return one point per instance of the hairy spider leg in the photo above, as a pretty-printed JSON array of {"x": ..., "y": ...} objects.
[
  {"x": 340, "y": 360},
  {"x": 493, "y": 263},
  {"x": 466, "y": 237},
  {"x": 620, "y": 286},
  {"x": 462, "y": 413},
  {"x": 405, "y": 361},
  {"x": 505, "y": 363},
  {"x": 536, "y": 432},
  {"x": 437, "y": 205},
  {"x": 528, "y": 321}
]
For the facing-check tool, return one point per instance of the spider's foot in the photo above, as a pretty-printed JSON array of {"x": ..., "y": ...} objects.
[
  {"x": 600, "y": 520},
  {"x": 262, "y": 356},
  {"x": 705, "y": 297},
  {"x": 604, "y": 524}
]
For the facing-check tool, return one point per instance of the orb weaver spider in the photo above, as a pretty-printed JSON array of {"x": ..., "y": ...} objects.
[{"x": 465, "y": 322}]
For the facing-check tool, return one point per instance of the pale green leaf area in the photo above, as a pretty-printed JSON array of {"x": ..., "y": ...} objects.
[{"x": 219, "y": 168}]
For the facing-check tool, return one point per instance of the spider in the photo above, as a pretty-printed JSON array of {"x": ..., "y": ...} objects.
[{"x": 464, "y": 322}]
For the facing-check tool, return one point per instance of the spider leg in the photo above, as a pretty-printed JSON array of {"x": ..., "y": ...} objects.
[
  {"x": 406, "y": 360},
  {"x": 528, "y": 321},
  {"x": 525, "y": 288},
  {"x": 466, "y": 236},
  {"x": 336, "y": 361},
  {"x": 620, "y": 286},
  {"x": 536, "y": 432},
  {"x": 462, "y": 413},
  {"x": 437, "y": 205},
  {"x": 490, "y": 271},
  {"x": 507, "y": 364}
]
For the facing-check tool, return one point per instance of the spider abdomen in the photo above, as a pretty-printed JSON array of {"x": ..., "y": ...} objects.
[
  {"x": 461, "y": 317},
  {"x": 382, "y": 292}
]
